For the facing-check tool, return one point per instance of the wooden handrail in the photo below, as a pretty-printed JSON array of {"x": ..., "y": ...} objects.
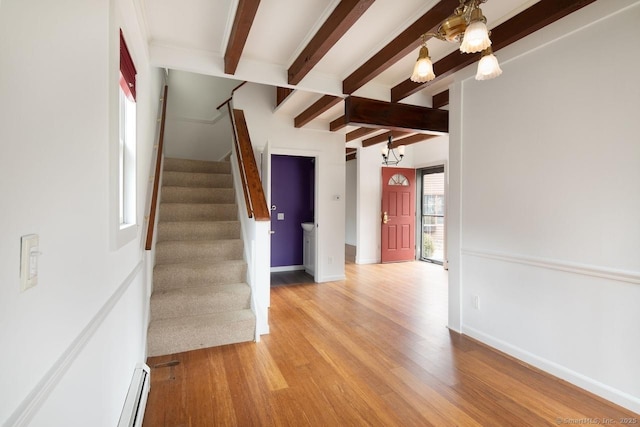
[
  {"x": 252, "y": 186},
  {"x": 156, "y": 177},
  {"x": 228, "y": 100},
  {"x": 243, "y": 178}
]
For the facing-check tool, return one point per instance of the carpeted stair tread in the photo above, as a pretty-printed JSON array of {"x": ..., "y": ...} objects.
[
  {"x": 187, "y": 165},
  {"x": 195, "y": 301},
  {"x": 198, "y": 212},
  {"x": 175, "y": 335},
  {"x": 200, "y": 298},
  {"x": 196, "y": 179},
  {"x": 198, "y": 230},
  {"x": 173, "y": 194},
  {"x": 198, "y": 250},
  {"x": 192, "y": 274}
]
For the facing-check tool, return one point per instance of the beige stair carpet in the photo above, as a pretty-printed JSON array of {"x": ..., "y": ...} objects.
[{"x": 200, "y": 298}]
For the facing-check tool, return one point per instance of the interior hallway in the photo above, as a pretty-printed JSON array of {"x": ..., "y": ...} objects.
[{"x": 370, "y": 350}]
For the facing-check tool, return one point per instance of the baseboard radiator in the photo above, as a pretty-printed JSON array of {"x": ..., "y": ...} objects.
[{"x": 136, "y": 401}]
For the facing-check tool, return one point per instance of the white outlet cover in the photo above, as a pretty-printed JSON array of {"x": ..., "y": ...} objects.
[{"x": 29, "y": 261}]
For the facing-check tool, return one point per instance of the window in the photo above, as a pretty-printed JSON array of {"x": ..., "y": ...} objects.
[
  {"x": 398, "y": 179},
  {"x": 127, "y": 139}
]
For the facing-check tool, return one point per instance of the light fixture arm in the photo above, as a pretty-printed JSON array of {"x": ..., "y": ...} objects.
[{"x": 388, "y": 151}]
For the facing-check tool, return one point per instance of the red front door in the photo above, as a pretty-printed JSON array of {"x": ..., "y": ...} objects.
[{"x": 398, "y": 216}]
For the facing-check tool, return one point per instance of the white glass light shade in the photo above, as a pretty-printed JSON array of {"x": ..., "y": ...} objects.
[
  {"x": 423, "y": 70},
  {"x": 401, "y": 150},
  {"x": 385, "y": 151},
  {"x": 488, "y": 67},
  {"x": 476, "y": 38}
]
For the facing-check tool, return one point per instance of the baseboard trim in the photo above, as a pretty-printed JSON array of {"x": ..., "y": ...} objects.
[
  {"x": 569, "y": 267},
  {"x": 334, "y": 278},
  {"x": 367, "y": 261},
  {"x": 34, "y": 400},
  {"x": 287, "y": 268},
  {"x": 582, "y": 381}
]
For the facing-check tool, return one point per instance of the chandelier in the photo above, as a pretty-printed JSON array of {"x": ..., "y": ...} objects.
[
  {"x": 388, "y": 151},
  {"x": 467, "y": 26}
]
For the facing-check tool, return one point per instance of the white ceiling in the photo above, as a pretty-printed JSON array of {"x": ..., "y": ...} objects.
[{"x": 191, "y": 35}]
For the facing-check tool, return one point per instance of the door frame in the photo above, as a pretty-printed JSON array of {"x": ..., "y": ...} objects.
[
  {"x": 265, "y": 166},
  {"x": 445, "y": 163},
  {"x": 420, "y": 214}
]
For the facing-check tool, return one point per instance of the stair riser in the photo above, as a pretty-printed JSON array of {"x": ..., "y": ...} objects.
[
  {"x": 171, "y": 340},
  {"x": 197, "y": 195},
  {"x": 187, "y": 179},
  {"x": 176, "y": 252},
  {"x": 198, "y": 230},
  {"x": 197, "y": 212},
  {"x": 172, "y": 304},
  {"x": 184, "y": 165},
  {"x": 177, "y": 276}
]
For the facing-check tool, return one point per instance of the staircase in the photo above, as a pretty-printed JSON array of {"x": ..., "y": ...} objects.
[{"x": 200, "y": 298}]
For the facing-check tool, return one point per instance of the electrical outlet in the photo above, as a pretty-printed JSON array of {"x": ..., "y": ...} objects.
[{"x": 476, "y": 302}]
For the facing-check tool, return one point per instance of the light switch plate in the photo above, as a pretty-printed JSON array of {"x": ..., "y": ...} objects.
[
  {"x": 280, "y": 216},
  {"x": 29, "y": 261}
]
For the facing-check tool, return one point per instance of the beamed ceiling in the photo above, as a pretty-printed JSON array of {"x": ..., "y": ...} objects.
[{"x": 341, "y": 66}]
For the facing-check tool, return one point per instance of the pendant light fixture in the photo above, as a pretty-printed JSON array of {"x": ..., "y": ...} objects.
[
  {"x": 423, "y": 70},
  {"x": 467, "y": 26},
  {"x": 388, "y": 151},
  {"x": 488, "y": 67}
]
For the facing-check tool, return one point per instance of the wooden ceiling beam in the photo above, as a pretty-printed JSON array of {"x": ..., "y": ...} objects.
[
  {"x": 400, "y": 46},
  {"x": 384, "y": 137},
  {"x": 338, "y": 124},
  {"x": 441, "y": 99},
  {"x": 351, "y": 156},
  {"x": 346, "y": 13},
  {"x": 388, "y": 115},
  {"x": 317, "y": 108},
  {"x": 412, "y": 139},
  {"x": 539, "y": 15},
  {"x": 242, "y": 22},
  {"x": 358, "y": 133},
  {"x": 282, "y": 93}
]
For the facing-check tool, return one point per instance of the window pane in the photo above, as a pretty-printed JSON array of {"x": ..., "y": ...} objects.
[
  {"x": 398, "y": 179},
  {"x": 433, "y": 205}
]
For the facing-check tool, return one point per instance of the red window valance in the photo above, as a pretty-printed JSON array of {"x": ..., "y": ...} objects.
[{"x": 127, "y": 70}]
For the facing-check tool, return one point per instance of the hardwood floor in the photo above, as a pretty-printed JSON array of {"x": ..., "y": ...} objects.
[{"x": 369, "y": 350}]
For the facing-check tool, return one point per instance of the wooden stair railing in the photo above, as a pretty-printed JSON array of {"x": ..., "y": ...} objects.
[
  {"x": 254, "y": 198},
  {"x": 251, "y": 185},
  {"x": 156, "y": 177}
]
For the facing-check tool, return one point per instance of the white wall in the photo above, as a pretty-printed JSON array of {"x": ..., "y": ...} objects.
[
  {"x": 350, "y": 201},
  {"x": 71, "y": 343},
  {"x": 276, "y": 130},
  {"x": 369, "y": 200},
  {"x": 549, "y": 193},
  {"x": 195, "y": 129}
]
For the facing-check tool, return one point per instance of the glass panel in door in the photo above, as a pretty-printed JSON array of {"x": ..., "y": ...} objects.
[{"x": 432, "y": 248}]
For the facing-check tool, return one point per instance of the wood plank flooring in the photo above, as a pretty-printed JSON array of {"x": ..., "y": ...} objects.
[{"x": 371, "y": 350}]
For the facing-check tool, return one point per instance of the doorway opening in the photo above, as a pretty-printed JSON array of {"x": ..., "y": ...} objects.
[
  {"x": 432, "y": 215},
  {"x": 292, "y": 205}
]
